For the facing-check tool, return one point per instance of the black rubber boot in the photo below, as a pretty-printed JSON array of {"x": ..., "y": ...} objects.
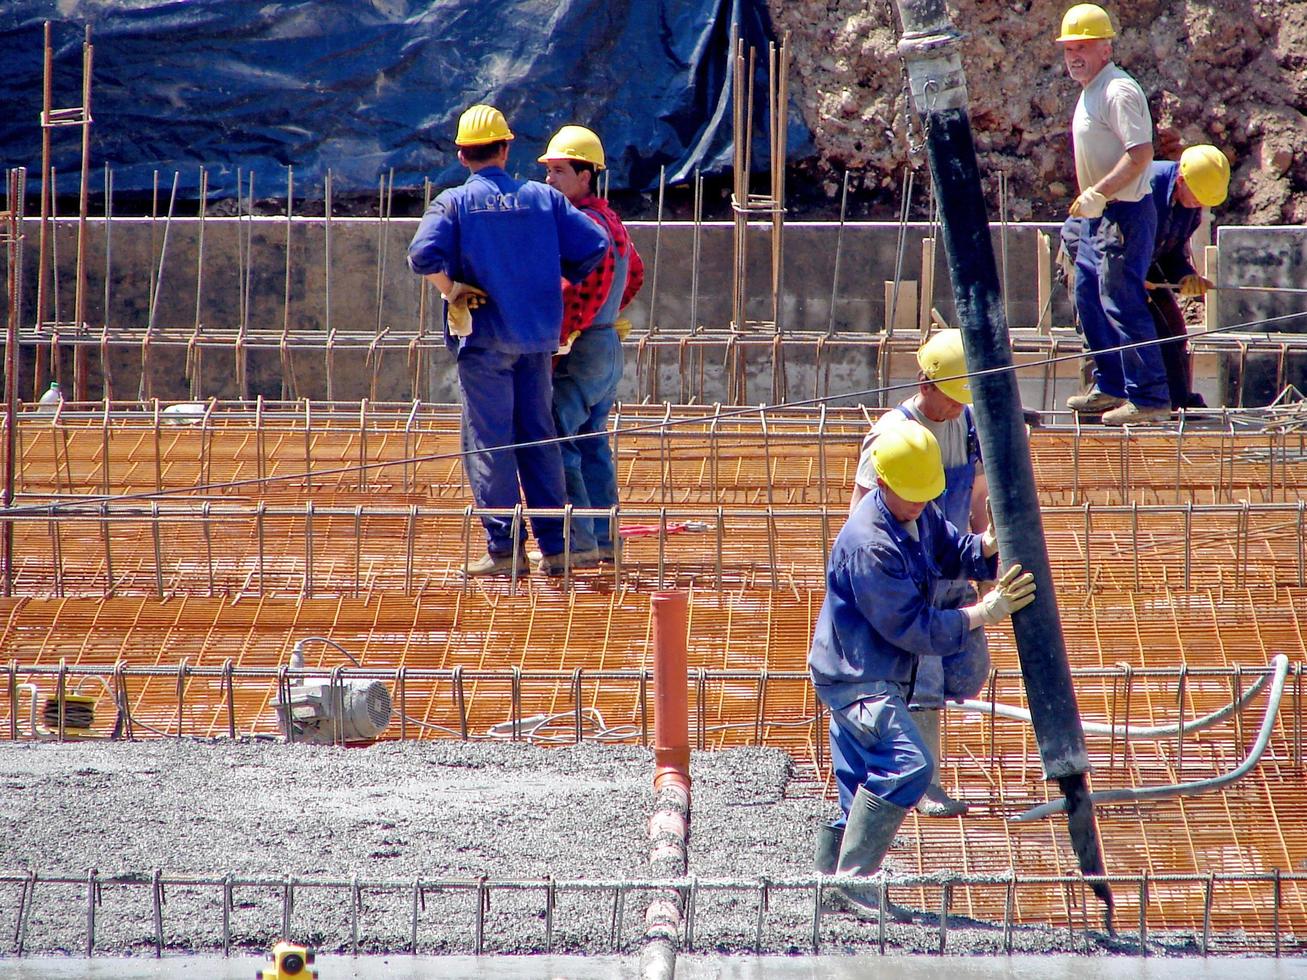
[
  {"x": 829, "y": 839},
  {"x": 873, "y": 822},
  {"x": 936, "y": 802}
]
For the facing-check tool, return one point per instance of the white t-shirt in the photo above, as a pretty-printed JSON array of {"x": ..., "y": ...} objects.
[
  {"x": 951, "y": 436},
  {"x": 1111, "y": 117}
]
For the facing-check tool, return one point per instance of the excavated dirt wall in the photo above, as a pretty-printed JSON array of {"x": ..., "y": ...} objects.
[{"x": 1233, "y": 73}]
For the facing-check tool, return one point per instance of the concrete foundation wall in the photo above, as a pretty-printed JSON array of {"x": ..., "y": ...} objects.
[{"x": 350, "y": 276}]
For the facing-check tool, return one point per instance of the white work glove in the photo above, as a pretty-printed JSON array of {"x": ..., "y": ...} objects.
[
  {"x": 989, "y": 537},
  {"x": 462, "y": 300},
  {"x": 1014, "y": 591},
  {"x": 1089, "y": 204},
  {"x": 1195, "y": 285},
  {"x": 566, "y": 346}
]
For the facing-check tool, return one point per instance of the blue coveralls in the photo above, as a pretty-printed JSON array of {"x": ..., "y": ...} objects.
[
  {"x": 585, "y": 386},
  {"x": 512, "y": 239},
  {"x": 1112, "y": 259},
  {"x": 878, "y": 619},
  {"x": 963, "y": 674},
  {"x": 1171, "y": 263}
]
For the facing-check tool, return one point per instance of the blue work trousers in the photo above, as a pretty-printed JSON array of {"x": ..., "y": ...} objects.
[
  {"x": 1111, "y": 262},
  {"x": 585, "y": 385},
  {"x": 506, "y": 400},
  {"x": 875, "y": 743}
]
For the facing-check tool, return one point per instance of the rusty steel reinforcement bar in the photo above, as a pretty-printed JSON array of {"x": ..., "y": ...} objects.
[
  {"x": 18, "y": 680},
  {"x": 190, "y": 545},
  {"x": 479, "y": 892}
]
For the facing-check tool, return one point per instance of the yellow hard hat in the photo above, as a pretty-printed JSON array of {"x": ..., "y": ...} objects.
[
  {"x": 480, "y": 125},
  {"x": 1086, "y": 22},
  {"x": 1206, "y": 172},
  {"x": 906, "y": 456},
  {"x": 942, "y": 357},
  {"x": 575, "y": 143}
]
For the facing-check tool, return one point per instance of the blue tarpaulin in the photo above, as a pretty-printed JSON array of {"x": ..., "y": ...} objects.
[{"x": 364, "y": 86}]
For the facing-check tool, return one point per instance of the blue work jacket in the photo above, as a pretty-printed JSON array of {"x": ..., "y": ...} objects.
[
  {"x": 879, "y": 613},
  {"x": 1175, "y": 225},
  {"x": 515, "y": 240}
]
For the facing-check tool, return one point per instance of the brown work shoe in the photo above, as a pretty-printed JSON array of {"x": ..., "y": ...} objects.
[
  {"x": 1132, "y": 414},
  {"x": 555, "y": 565},
  {"x": 489, "y": 564},
  {"x": 1093, "y": 401}
]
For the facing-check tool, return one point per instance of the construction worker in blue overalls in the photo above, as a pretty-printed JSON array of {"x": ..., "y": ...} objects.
[
  {"x": 879, "y": 623},
  {"x": 942, "y": 404}
]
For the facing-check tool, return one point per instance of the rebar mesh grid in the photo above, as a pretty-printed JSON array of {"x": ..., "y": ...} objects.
[
  {"x": 345, "y": 454},
  {"x": 391, "y": 913},
  {"x": 179, "y": 548}
]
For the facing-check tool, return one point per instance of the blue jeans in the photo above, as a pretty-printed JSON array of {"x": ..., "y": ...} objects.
[
  {"x": 506, "y": 400},
  {"x": 875, "y": 743},
  {"x": 585, "y": 385},
  {"x": 1112, "y": 259}
]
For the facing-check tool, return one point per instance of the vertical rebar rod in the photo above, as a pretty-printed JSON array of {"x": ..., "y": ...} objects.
[
  {"x": 81, "y": 380},
  {"x": 658, "y": 243},
  {"x": 44, "y": 240},
  {"x": 839, "y": 251},
  {"x": 13, "y": 233}
]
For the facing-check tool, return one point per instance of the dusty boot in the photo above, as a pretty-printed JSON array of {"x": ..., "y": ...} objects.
[
  {"x": 936, "y": 802},
  {"x": 829, "y": 839},
  {"x": 873, "y": 822}
]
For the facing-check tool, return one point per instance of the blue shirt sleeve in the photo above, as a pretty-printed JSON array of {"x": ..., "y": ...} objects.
[
  {"x": 891, "y": 602},
  {"x": 581, "y": 242},
  {"x": 435, "y": 245},
  {"x": 960, "y": 555}
]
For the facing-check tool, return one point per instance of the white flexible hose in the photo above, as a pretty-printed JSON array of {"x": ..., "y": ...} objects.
[
  {"x": 1123, "y": 731},
  {"x": 1144, "y": 793}
]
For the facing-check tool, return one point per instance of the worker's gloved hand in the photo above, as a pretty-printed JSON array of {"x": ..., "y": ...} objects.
[
  {"x": 566, "y": 346},
  {"x": 1014, "y": 591},
  {"x": 1195, "y": 285},
  {"x": 462, "y": 300},
  {"x": 1089, "y": 204},
  {"x": 989, "y": 537},
  {"x": 623, "y": 328}
]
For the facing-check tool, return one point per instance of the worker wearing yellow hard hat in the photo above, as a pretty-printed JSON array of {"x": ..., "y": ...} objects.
[
  {"x": 494, "y": 247},
  {"x": 942, "y": 403},
  {"x": 1113, "y": 223},
  {"x": 1180, "y": 191},
  {"x": 589, "y": 368},
  {"x": 877, "y": 626}
]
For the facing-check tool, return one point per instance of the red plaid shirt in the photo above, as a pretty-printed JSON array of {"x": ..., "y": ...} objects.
[{"x": 582, "y": 301}]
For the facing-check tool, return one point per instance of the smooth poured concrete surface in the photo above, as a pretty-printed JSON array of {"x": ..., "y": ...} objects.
[{"x": 687, "y": 968}]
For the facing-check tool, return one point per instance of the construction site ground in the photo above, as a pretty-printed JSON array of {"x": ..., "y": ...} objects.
[{"x": 401, "y": 811}]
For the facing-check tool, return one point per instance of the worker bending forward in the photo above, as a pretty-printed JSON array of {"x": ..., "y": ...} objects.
[
  {"x": 942, "y": 404},
  {"x": 496, "y": 247},
  {"x": 878, "y": 621},
  {"x": 589, "y": 367},
  {"x": 1201, "y": 179}
]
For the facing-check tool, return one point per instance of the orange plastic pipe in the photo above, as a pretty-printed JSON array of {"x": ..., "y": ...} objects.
[{"x": 671, "y": 693}]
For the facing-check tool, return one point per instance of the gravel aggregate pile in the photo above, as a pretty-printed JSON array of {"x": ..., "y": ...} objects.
[{"x": 402, "y": 811}]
